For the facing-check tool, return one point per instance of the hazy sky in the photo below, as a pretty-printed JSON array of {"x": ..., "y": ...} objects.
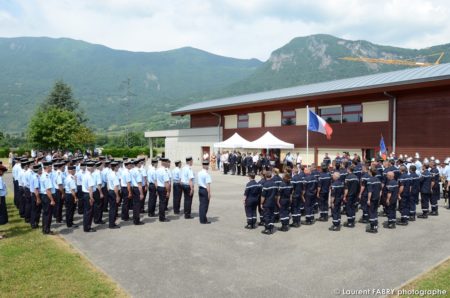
[{"x": 236, "y": 28}]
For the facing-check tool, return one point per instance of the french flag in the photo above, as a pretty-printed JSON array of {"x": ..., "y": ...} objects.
[{"x": 318, "y": 124}]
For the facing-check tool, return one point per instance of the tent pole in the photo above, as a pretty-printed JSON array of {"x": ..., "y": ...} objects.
[{"x": 307, "y": 135}]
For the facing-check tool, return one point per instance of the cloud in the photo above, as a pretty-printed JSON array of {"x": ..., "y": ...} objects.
[{"x": 236, "y": 28}]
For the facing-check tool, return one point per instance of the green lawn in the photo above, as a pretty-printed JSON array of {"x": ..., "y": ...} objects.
[
  {"x": 34, "y": 265},
  {"x": 436, "y": 279}
]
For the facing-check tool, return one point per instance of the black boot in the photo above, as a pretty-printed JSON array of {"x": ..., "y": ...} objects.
[
  {"x": 423, "y": 215},
  {"x": 334, "y": 228}
]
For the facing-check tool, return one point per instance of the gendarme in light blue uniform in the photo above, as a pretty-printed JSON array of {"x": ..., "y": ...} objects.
[
  {"x": 162, "y": 176},
  {"x": 3, "y": 190},
  {"x": 203, "y": 178},
  {"x": 70, "y": 184}
]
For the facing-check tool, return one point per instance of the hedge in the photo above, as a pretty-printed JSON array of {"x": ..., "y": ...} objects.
[
  {"x": 4, "y": 152},
  {"x": 128, "y": 152}
]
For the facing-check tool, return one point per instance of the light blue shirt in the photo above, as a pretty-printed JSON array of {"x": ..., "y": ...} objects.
[
  {"x": 151, "y": 175},
  {"x": 104, "y": 173},
  {"x": 15, "y": 171},
  {"x": 162, "y": 177},
  {"x": 58, "y": 178},
  {"x": 88, "y": 182},
  {"x": 136, "y": 177},
  {"x": 113, "y": 180},
  {"x": 203, "y": 178},
  {"x": 26, "y": 177},
  {"x": 125, "y": 178},
  {"x": 176, "y": 175},
  {"x": 97, "y": 178},
  {"x": 46, "y": 183},
  {"x": 186, "y": 175},
  {"x": 3, "y": 190},
  {"x": 34, "y": 182},
  {"x": 79, "y": 176},
  {"x": 70, "y": 184}
]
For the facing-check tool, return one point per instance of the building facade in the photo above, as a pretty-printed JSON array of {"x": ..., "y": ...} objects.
[{"x": 409, "y": 108}]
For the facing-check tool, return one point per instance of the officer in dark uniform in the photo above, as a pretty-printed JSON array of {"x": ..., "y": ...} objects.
[
  {"x": 363, "y": 195},
  {"x": 284, "y": 201},
  {"x": 232, "y": 158},
  {"x": 315, "y": 172},
  {"x": 414, "y": 195},
  {"x": 323, "y": 191},
  {"x": 260, "y": 210},
  {"x": 391, "y": 199},
  {"x": 239, "y": 163},
  {"x": 373, "y": 199},
  {"x": 350, "y": 195},
  {"x": 426, "y": 187},
  {"x": 310, "y": 182},
  {"x": 268, "y": 202},
  {"x": 327, "y": 160},
  {"x": 404, "y": 182},
  {"x": 297, "y": 198},
  {"x": 204, "y": 192},
  {"x": 277, "y": 179},
  {"x": 435, "y": 191},
  {"x": 341, "y": 167},
  {"x": 337, "y": 195},
  {"x": 252, "y": 196}
]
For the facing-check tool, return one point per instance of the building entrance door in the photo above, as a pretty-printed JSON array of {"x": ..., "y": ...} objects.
[{"x": 205, "y": 153}]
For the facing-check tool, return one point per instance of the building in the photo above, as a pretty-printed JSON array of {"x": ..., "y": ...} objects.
[{"x": 410, "y": 108}]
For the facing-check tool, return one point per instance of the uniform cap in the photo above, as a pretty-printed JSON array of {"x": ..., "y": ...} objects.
[
  {"x": 164, "y": 159},
  {"x": 205, "y": 163},
  {"x": 101, "y": 158},
  {"x": 90, "y": 164},
  {"x": 71, "y": 168},
  {"x": 83, "y": 164},
  {"x": 47, "y": 163},
  {"x": 155, "y": 160},
  {"x": 114, "y": 163},
  {"x": 124, "y": 158},
  {"x": 189, "y": 158},
  {"x": 177, "y": 162},
  {"x": 107, "y": 162},
  {"x": 99, "y": 163}
]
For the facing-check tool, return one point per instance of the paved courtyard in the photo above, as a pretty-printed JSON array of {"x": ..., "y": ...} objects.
[{"x": 183, "y": 258}]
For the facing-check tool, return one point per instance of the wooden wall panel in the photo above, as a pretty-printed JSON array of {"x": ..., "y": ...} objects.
[{"x": 204, "y": 120}]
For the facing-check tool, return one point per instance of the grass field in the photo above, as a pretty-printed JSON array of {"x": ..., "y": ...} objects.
[{"x": 34, "y": 265}]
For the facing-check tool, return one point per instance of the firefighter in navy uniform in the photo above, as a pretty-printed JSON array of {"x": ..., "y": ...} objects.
[
  {"x": 260, "y": 210},
  {"x": 435, "y": 191},
  {"x": 284, "y": 201},
  {"x": 336, "y": 198},
  {"x": 323, "y": 191},
  {"x": 297, "y": 198},
  {"x": 350, "y": 196},
  {"x": 414, "y": 195},
  {"x": 310, "y": 195},
  {"x": 363, "y": 194},
  {"x": 373, "y": 199},
  {"x": 404, "y": 182},
  {"x": 391, "y": 199},
  {"x": 277, "y": 179},
  {"x": 268, "y": 202},
  {"x": 426, "y": 186},
  {"x": 252, "y": 196}
]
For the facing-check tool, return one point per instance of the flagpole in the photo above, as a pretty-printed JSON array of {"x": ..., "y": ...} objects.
[{"x": 307, "y": 134}]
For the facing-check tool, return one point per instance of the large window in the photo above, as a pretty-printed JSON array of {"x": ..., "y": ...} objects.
[
  {"x": 352, "y": 113},
  {"x": 242, "y": 121},
  {"x": 288, "y": 118},
  {"x": 331, "y": 115}
]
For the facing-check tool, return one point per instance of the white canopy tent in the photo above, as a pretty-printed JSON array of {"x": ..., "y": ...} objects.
[
  {"x": 235, "y": 141},
  {"x": 269, "y": 141}
]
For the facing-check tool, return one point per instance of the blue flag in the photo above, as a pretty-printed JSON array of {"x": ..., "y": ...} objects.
[{"x": 383, "y": 150}]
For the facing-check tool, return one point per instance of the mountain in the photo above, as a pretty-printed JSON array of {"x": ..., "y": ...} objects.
[
  {"x": 163, "y": 81},
  {"x": 159, "y": 81},
  {"x": 315, "y": 58}
]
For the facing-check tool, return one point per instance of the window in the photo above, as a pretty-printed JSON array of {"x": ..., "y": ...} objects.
[
  {"x": 331, "y": 115},
  {"x": 352, "y": 113},
  {"x": 242, "y": 121},
  {"x": 288, "y": 118}
]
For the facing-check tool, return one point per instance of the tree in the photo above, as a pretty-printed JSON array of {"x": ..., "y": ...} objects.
[
  {"x": 58, "y": 123},
  {"x": 61, "y": 97}
]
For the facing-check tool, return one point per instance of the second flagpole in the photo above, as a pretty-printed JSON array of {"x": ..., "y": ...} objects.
[{"x": 307, "y": 135}]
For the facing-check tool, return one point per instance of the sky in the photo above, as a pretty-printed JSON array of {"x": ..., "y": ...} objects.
[{"x": 234, "y": 28}]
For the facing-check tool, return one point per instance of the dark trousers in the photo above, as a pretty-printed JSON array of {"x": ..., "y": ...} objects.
[
  {"x": 177, "y": 193},
  {"x": 97, "y": 208},
  {"x": 187, "y": 200},
  {"x": 250, "y": 210},
  {"x": 21, "y": 202},
  {"x": 3, "y": 211},
  {"x": 284, "y": 211},
  {"x": 27, "y": 201},
  {"x": 425, "y": 202},
  {"x": 404, "y": 208},
  {"x": 80, "y": 199},
  {"x": 239, "y": 169},
  {"x": 269, "y": 217},
  {"x": 112, "y": 208},
  {"x": 295, "y": 209},
  {"x": 336, "y": 212},
  {"x": 144, "y": 192},
  {"x": 105, "y": 200},
  {"x": 309, "y": 205},
  {"x": 87, "y": 213},
  {"x": 136, "y": 205},
  {"x": 162, "y": 195},
  {"x": 233, "y": 169},
  {"x": 57, "y": 210},
  {"x": 391, "y": 209},
  {"x": 413, "y": 201},
  {"x": 226, "y": 168},
  {"x": 16, "y": 193},
  {"x": 260, "y": 211},
  {"x": 435, "y": 196},
  {"x": 204, "y": 204},
  {"x": 323, "y": 205},
  {"x": 151, "y": 199},
  {"x": 35, "y": 213},
  {"x": 373, "y": 213},
  {"x": 364, "y": 207},
  {"x": 125, "y": 214},
  {"x": 70, "y": 209},
  {"x": 350, "y": 208},
  {"x": 47, "y": 213},
  {"x": 244, "y": 170}
]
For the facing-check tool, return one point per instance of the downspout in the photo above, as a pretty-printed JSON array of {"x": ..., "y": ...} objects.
[
  {"x": 218, "y": 125},
  {"x": 394, "y": 120}
]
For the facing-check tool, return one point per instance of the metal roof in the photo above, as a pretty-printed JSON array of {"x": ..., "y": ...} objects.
[{"x": 394, "y": 78}]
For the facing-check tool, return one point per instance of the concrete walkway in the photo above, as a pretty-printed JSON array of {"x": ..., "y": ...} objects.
[{"x": 185, "y": 259}]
